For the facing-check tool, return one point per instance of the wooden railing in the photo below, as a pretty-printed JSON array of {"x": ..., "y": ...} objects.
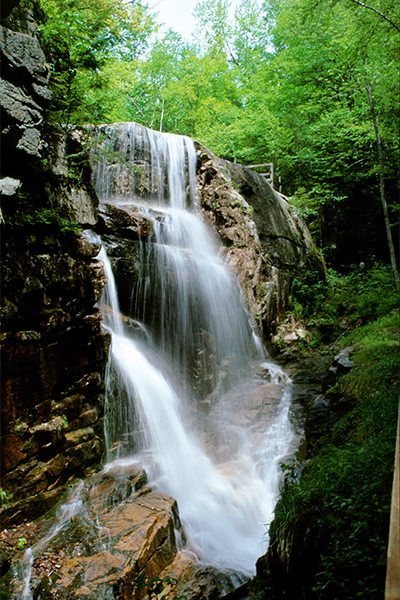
[
  {"x": 392, "y": 588},
  {"x": 270, "y": 175}
]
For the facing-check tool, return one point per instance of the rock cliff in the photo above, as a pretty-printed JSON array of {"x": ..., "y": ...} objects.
[{"x": 53, "y": 348}]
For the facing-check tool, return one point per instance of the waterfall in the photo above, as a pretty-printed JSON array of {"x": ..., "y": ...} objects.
[
  {"x": 198, "y": 347},
  {"x": 225, "y": 508},
  {"x": 133, "y": 162}
]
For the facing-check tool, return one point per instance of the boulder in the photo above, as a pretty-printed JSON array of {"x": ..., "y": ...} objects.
[
  {"x": 115, "y": 528},
  {"x": 341, "y": 365}
]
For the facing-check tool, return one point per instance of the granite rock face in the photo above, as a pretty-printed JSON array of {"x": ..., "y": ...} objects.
[
  {"x": 113, "y": 528},
  {"x": 24, "y": 91},
  {"x": 264, "y": 241}
]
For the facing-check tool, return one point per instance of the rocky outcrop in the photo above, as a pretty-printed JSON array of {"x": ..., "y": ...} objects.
[
  {"x": 24, "y": 91},
  {"x": 264, "y": 240},
  {"x": 53, "y": 348},
  {"x": 122, "y": 228},
  {"x": 113, "y": 528}
]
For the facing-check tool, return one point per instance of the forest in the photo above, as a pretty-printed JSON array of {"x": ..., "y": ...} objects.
[{"x": 311, "y": 86}]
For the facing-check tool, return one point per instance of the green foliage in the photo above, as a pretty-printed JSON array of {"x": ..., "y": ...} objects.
[
  {"x": 42, "y": 219},
  {"x": 371, "y": 294},
  {"x": 5, "y": 498},
  {"x": 22, "y": 542},
  {"x": 360, "y": 296},
  {"x": 74, "y": 306},
  {"x": 308, "y": 292},
  {"x": 340, "y": 501},
  {"x": 81, "y": 39},
  {"x": 23, "y": 217}
]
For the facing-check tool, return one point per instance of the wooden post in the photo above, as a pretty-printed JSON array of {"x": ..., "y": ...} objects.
[{"x": 392, "y": 587}]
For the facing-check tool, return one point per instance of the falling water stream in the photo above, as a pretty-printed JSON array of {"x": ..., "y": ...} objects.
[
  {"x": 189, "y": 302},
  {"x": 222, "y": 464},
  {"x": 224, "y": 507}
]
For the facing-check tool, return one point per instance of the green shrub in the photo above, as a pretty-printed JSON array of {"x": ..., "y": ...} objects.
[
  {"x": 342, "y": 498},
  {"x": 355, "y": 298},
  {"x": 42, "y": 219}
]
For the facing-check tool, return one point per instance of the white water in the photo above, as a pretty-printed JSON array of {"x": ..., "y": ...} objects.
[
  {"x": 187, "y": 295},
  {"x": 128, "y": 154},
  {"x": 185, "y": 291},
  {"x": 224, "y": 516},
  {"x": 191, "y": 310},
  {"x": 68, "y": 511}
]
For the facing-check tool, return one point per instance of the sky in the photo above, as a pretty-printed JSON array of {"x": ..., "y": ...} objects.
[{"x": 177, "y": 14}]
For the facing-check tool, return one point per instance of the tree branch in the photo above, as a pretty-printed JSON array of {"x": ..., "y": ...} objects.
[
  {"x": 137, "y": 107},
  {"x": 378, "y": 13}
]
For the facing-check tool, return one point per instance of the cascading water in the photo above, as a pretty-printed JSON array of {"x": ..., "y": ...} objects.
[
  {"x": 196, "y": 324},
  {"x": 133, "y": 162},
  {"x": 195, "y": 348},
  {"x": 224, "y": 508}
]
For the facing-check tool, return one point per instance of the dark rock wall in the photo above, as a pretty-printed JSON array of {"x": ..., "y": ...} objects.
[
  {"x": 53, "y": 348},
  {"x": 24, "y": 91}
]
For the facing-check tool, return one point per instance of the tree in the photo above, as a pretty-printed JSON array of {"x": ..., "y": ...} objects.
[
  {"x": 320, "y": 69},
  {"x": 81, "y": 37}
]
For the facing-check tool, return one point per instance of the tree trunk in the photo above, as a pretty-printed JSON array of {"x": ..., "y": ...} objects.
[
  {"x": 382, "y": 184},
  {"x": 162, "y": 116}
]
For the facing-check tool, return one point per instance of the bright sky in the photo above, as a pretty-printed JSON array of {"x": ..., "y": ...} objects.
[{"x": 177, "y": 14}]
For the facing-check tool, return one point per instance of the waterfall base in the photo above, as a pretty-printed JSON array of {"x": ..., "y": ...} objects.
[{"x": 117, "y": 525}]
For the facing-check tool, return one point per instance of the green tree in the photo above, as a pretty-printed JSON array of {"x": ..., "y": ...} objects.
[
  {"x": 325, "y": 55},
  {"x": 81, "y": 38}
]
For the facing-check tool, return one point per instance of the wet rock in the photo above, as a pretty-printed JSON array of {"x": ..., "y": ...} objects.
[
  {"x": 124, "y": 256},
  {"x": 341, "y": 365},
  {"x": 127, "y": 220},
  {"x": 117, "y": 529},
  {"x": 85, "y": 453},
  {"x": 342, "y": 360},
  {"x": 310, "y": 370},
  {"x": 209, "y": 583},
  {"x": 90, "y": 383},
  {"x": 85, "y": 248},
  {"x": 197, "y": 582},
  {"x": 320, "y": 418}
]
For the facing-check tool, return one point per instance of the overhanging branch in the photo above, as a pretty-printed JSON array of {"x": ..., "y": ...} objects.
[{"x": 377, "y": 12}]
